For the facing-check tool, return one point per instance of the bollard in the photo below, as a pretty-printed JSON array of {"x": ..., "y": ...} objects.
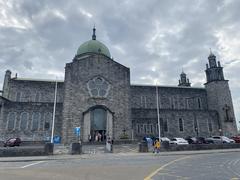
[
  {"x": 143, "y": 146},
  {"x": 48, "y": 148},
  {"x": 75, "y": 148}
]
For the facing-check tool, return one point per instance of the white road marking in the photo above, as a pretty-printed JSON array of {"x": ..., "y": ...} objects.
[{"x": 32, "y": 164}]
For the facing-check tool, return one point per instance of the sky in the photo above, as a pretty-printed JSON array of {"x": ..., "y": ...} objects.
[{"x": 156, "y": 39}]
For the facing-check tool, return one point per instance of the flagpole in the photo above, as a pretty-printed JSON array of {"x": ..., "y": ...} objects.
[
  {"x": 159, "y": 130},
  {"x": 54, "y": 111}
]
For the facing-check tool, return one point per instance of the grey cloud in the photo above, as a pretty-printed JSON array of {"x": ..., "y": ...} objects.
[{"x": 188, "y": 29}]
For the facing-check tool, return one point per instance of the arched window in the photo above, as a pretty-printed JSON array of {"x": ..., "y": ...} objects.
[
  {"x": 35, "y": 121},
  {"x": 37, "y": 97},
  {"x": 23, "y": 121},
  {"x": 48, "y": 121},
  {"x": 11, "y": 121}
]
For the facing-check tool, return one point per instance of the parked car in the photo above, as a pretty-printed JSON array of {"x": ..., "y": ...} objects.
[
  {"x": 178, "y": 141},
  {"x": 236, "y": 139},
  {"x": 196, "y": 140},
  {"x": 221, "y": 139},
  {"x": 12, "y": 142},
  {"x": 165, "y": 139}
]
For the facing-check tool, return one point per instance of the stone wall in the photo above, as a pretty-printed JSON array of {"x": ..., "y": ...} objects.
[
  {"x": 34, "y": 90},
  {"x": 219, "y": 99},
  {"x": 44, "y": 110},
  {"x": 195, "y": 123},
  {"x": 169, "y": 97},
  {"x": 78, "y": 100}
]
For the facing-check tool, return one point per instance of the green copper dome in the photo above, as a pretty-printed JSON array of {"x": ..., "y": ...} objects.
[{"x": 93, "y": 46}]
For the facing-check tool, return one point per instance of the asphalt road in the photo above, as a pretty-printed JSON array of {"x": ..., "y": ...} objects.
[{"x": 219, "y": 166}]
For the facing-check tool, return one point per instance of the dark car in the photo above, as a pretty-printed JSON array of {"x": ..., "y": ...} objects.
[
  {"x": 196, "y": 140},
  {"x": 236, "y": 139},
  {"x": 12, "y": 142}
]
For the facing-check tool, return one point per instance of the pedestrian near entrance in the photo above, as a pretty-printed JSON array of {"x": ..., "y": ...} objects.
[
  {"x": 89, "y": 138},
  {"x": 156, "y": 146}
]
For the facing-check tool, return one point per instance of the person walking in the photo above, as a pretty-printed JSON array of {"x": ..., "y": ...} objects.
[{"x": 157, "y": 146}]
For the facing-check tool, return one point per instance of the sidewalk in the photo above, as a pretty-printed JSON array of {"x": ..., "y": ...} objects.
[{"x": 84, "y": 156}]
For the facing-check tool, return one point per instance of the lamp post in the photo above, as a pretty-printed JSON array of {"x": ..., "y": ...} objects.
[
  {"x": 54, "y": 111},
  {"x": 159, "y": 130},
  {"x": 220, "y": 132}
]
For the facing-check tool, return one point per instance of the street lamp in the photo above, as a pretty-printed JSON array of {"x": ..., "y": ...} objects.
[
  {"x": 220, "y": 131},
  {"x": 159, "y": 130}
]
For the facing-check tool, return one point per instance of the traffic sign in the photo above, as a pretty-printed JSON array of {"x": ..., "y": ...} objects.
[{"x": 77, "y": 131}]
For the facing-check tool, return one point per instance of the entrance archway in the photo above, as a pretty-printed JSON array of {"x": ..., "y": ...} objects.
[
  {"x": 97, "y": 121},
  {"x": 98, "y": 124}
]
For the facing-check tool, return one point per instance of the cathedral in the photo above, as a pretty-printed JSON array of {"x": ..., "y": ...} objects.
[{"x": 97, "y": 96}]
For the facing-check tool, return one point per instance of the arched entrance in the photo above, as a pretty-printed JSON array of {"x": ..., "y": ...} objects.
[{"x": 98, "y": 122}]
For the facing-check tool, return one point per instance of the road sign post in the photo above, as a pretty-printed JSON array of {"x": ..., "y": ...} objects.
[{"x": 77, "y": 131}]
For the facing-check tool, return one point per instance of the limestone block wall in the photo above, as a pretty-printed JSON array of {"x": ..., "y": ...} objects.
[
  {"x": 145, "y": 123},
  {"x": 41, "y": 133},
  {"x": 78, "y": 100},
  {"x": 219, "y": 96},
  {"x": 169, "y": 97},
  {"x": 34, "y": 91}
]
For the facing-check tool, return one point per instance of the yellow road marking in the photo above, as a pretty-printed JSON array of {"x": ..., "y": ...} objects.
[{"x": 149, "y": 177}]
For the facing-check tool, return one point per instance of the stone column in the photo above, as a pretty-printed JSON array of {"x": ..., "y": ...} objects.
[
  {"x": 86, "y": 126},
  {"x": 109, "y": 124}
]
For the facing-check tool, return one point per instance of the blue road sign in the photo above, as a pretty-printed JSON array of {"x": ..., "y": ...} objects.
[{"x": 77, "y": 131}]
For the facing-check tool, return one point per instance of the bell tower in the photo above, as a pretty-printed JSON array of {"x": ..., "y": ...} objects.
[
  {"x": 219, "y": 96},
  {"x": 184, "y": 81}
]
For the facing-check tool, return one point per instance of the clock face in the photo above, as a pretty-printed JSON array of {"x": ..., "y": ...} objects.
[{"x": 98, "y": 87}]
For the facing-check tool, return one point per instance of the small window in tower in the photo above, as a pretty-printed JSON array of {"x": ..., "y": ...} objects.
[{"x": 199, "y": 103}]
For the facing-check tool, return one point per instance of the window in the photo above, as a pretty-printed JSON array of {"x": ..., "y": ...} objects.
[
  {"x": 210, "y": 125},
  {"x": 18, "y": 96},
  {"x": 138, "y": 128},
  {"x": 144, "y": 101},
  {"x": 180, "y": 124},
  {"x": 151, "y": 128},
  {"x": 195, "y": 125},
  {"x": 11, "y": 121},
  {"x": 35, "y": 121},
  {"x": 199, "y": 103},
  {"x": 23, "y": 121},
  {"x": 98, "y": 87},
  {"x": 48, "y": 121},
  {"x": 165, "y": 126},
  {"x": 187, "y": 103},
  {"x": 37, "y": 97},
  {"x": 145, "y": 128},
  {"x": 141, "y": 128}
]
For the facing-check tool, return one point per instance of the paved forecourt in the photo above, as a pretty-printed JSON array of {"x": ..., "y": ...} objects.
[{"x": 212, "y": 165}]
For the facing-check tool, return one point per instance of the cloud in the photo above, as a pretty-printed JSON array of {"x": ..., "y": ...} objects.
[{"x": 156, "y": 39}]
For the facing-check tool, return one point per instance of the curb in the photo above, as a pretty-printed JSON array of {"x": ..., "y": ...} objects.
[{"x": 68, "y": 157}]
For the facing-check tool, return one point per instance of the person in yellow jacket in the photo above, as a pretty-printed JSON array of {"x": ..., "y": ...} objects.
[{"x": 157, "y": 146}]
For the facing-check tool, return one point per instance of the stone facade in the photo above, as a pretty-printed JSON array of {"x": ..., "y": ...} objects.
[{"x": 96, "y": 95}]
